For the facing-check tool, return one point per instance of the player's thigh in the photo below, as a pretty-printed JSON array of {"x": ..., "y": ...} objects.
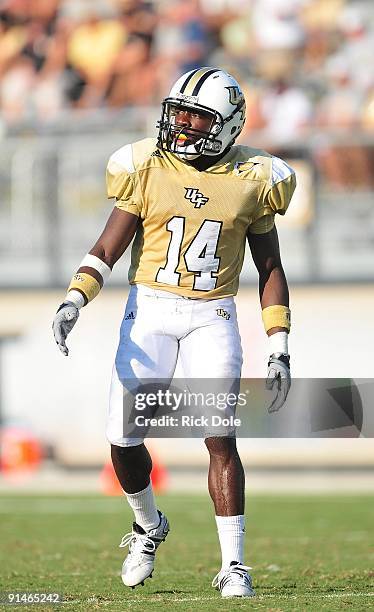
[
  {"x": 145, "y": 349},
  {"x": 146, "y": 357},
  {"x": 211, "y": 357},
  {"x": 213, "y": 348}
]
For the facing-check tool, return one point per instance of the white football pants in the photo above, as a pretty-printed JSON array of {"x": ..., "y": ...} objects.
[{"x": 157, "y": 328}]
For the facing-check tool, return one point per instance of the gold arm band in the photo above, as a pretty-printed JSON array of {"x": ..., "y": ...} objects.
[
  {"x": 85, "y": 284},
  {"x": 276, "y": 316}
]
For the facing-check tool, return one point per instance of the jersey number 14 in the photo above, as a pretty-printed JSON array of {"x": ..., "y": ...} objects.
[{"x": 200, "y": 257}]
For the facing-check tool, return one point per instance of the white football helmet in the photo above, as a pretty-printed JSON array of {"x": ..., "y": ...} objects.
[{"x": 213, "y": 92}]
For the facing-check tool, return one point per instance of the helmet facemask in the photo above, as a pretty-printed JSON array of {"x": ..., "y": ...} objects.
[{"x": 205, "y": 142}]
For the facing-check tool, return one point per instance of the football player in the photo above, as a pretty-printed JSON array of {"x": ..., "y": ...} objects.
[{"x": 191, "y": 198}]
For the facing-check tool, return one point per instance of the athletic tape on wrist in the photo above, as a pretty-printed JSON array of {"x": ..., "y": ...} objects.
[
  {"x": 278, "y": 343},
  {"x": 76, "y": 298},
  {"x": 276, "y": 316}
]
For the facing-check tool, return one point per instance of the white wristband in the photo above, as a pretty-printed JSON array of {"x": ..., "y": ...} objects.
[
  {"x": 97, "y": 264},
  {"x": 75, "y": 297},
  {"x": 279, "y": 343}
]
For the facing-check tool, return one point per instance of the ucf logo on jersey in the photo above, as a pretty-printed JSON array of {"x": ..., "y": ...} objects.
[{"x": 195, "y": 196}]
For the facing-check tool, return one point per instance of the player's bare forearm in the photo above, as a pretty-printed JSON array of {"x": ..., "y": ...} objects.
[
  {"x": 94, "y": 269},
  {"x": 116, "y": 237},
  {"x": 273, "y": 288}
]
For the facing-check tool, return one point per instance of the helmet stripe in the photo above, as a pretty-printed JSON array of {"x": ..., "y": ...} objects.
[
  {"x": 188, "y": 80},
  {"x": 198, "y": 85},
  {"x": 192, "y": 82}
]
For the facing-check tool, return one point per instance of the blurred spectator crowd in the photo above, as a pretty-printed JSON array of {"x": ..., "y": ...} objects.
[{"x": 303, "y": 63}]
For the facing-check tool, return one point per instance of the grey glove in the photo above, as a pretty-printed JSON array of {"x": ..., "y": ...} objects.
[
  {"x": 279, "y": 374},
  {"x": 64, "y": 321}
]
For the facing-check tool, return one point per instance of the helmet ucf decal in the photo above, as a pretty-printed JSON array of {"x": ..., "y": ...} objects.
[{"x": 235, "y": 95}]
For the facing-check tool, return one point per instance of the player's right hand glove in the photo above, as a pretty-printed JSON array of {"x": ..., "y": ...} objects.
[
  {"x": 64, "y": 321},
  {"x": 279, "y": 374}
]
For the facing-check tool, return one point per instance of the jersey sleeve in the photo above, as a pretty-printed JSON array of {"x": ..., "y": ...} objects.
[
  {"x": 121, "y": 181},
  {"x": 275, "y": 197}
]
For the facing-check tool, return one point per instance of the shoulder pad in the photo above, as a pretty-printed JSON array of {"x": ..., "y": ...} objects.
[
  {"x": 131, "y": 157},
  {"x": 279, "y": 170}
]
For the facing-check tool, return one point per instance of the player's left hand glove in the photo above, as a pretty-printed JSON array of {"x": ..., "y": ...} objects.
[
  {"x": 279, "y": 374},
  {"x": 64, "y": 321}
]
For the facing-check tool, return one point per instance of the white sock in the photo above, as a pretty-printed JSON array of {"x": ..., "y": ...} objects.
[
  {"x": 231, "y": 538},
  {"x": 144, "y": 507}
]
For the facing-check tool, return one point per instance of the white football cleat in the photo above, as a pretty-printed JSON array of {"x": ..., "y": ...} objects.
[
  {"x": 140, "y": 561},
  {"x": 234, "y": 581}
]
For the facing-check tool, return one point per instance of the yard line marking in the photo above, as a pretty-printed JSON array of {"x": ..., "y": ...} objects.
[
  {"x": 152, "y": 599},
  {"x": 315, "y": 595}
]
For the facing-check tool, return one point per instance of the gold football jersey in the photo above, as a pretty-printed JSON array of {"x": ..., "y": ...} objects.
[{"x": 191, "y": 238}]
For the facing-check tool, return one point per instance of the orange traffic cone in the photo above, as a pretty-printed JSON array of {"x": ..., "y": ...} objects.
[
  {"x": 109, "y": 482},
  {"x": 159, "y": 476},
  {"x": 21, "y": 452}
]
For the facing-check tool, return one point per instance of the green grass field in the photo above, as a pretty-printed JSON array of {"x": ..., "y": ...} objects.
[{"x": 307, "y": 553}]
